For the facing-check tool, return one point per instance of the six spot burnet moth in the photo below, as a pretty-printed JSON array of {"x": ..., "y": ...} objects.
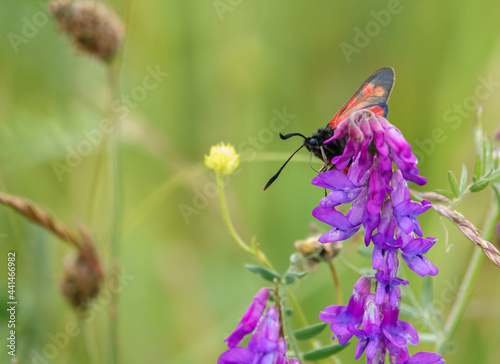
[{"x": 372, "y": 95}]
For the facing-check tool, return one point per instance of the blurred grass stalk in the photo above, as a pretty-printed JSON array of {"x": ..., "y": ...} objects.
[{"x": 117, "y": 214}]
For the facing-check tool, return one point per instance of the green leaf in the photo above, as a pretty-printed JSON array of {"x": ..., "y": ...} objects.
[
  {"x": 310, "y": 331},
  {"x": 495, "y": 177},
  {"x": 291, "y": 276},
  {"x": 427, "y": 294},
  {"x": 324, "y": 352},
  {"x": 463, "y": 180},
  {"x": 479, "y": 185},
  {"x": 265, "y": 273},
  {"x": 453, "y": 184},
  {"x": 488, "y": 160},
  {"x": 477, "y": 168},
  {"x": 445, "y": 193}
]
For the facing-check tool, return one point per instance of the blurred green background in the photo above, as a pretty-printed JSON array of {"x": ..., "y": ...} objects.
[{"x": 231, "y": 64}]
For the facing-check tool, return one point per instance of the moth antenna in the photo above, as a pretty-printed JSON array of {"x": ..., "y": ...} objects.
[
  {"x": 273, "y": 178},
  {"x": 287, "y": 136}
]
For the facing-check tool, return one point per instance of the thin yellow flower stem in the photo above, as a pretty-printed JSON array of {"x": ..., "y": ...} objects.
[
  {"x": 336, "y": 282},
  {"x": 227, "y": 220}
]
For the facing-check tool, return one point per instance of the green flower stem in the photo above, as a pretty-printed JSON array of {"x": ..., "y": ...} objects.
[
  {"x": 336, "y": 282},
  {"x": 467, "y": 285},
  {"x": 254, "y": 250}
]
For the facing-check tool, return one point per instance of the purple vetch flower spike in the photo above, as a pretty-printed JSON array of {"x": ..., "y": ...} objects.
[
  {"x": 369, "y": 335},
  {"x": 413, "y": 252},
  {"x": 340, "y": 317},
  {"x": 405, "y": 209},
  {"x": 398, "y": 332},
  {"x": 388, "y": 286},
  {"x": 380, "y": 202},
  {"x": 250, "y": 318}
]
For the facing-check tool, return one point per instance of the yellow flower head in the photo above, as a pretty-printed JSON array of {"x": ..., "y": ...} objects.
[{"x": 223, "y": 158}]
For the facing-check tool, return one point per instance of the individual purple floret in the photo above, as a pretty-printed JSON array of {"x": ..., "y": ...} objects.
[
  {"x": 250, "y": 318},
  {"x": 413, "y": 252},
  {"x": 340, "y": 317},
  {"x": 369, "y": 335}
]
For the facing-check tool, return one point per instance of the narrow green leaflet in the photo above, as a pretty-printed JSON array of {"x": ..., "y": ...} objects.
[
  {"x": 463, "y": 180},
  {"x": 265, "y": 273},
  {"x": 310, "y": 331},
  {"x": 477, "y": 169},
  {"x": 324, "y": 352},
  {"x": 488, "y": 160},
  {"x": 453, "y": 184},
  {"x": 479, "y": 185}
]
